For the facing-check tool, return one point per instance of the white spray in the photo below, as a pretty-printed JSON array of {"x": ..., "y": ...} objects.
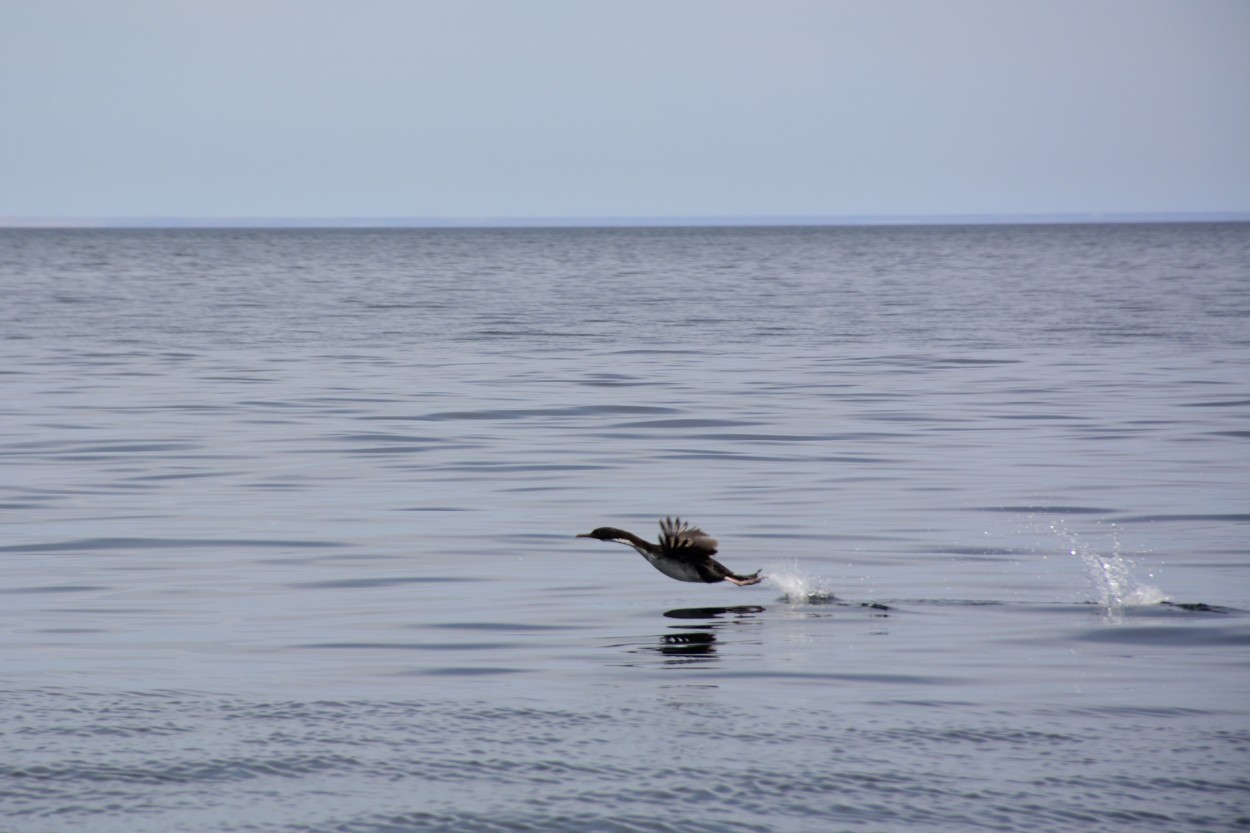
[
  {"x": 1110, "y": 576},
  {"x": 796, "y": 586}
]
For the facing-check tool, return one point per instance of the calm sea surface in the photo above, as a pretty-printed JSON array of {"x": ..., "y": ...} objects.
[{"x": 288, "y": 525}]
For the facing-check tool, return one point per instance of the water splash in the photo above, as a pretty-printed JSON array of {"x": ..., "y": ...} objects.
[
  {"x": 797, "y": 587},
  {"x": 1110, "y": 575}
]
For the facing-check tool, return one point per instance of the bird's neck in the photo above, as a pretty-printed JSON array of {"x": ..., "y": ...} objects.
[{"x": 642, "y": 545}]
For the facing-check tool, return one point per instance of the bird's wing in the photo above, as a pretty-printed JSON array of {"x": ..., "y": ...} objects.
[{"x": 685, "y": 541}]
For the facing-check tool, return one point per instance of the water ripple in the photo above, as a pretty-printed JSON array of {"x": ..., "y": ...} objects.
[{"x": 100, "y": 544}]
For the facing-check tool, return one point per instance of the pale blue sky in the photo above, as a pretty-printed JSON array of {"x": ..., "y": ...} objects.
[{"x": 622, "y": 108}]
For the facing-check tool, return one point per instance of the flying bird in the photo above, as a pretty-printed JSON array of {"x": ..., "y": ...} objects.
[{"x": 684, "y": 552}]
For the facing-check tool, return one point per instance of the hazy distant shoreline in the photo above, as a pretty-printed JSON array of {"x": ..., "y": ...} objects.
[{"x": 613, "y": 222}]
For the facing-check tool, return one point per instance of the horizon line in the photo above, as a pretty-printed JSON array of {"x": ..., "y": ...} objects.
[{"x": 225, "y": 222}]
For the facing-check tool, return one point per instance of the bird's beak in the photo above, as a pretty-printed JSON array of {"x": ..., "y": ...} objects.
[{"x": 582, "y": 535}]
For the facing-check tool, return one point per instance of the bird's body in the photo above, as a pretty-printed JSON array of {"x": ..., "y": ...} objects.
[{"x": 684, "y": 553}]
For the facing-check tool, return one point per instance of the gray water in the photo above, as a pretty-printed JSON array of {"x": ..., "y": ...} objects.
[{"x": 289, "y": 516}]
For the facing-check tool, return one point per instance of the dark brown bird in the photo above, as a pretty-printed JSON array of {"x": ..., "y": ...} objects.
[{"x": 684, "y": 553}]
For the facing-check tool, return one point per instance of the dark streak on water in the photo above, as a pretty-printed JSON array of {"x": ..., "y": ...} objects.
[{"x": 289, "y": 515}]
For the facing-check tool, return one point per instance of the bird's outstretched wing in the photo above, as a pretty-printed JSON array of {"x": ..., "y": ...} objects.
[{"x": 682, "y": 540}]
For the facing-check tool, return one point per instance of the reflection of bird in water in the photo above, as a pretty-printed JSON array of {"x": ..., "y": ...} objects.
[{"x": 684, "y": 553}]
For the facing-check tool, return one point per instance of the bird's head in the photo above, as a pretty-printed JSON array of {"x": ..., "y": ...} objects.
[{"x": 603, "y": 533}]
